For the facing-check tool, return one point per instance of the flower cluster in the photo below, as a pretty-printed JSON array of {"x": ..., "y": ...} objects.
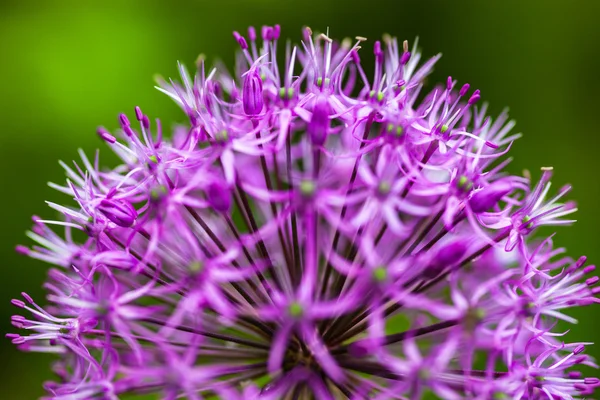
[{"x": 313, "y": 232}]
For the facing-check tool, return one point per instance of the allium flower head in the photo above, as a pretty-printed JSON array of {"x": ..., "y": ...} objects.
[{"x": 312, "y": 232}]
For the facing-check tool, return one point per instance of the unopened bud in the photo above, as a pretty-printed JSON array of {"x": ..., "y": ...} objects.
[
  {"x": 219, "y": 197},
  {"x": 474, "y": 97},
  {"x": 318, "y": 127},
  {"x": 489, "y": 196},
  {"x": 104, "y": 135},
  {"x": 123, "y": 120},
  {"x": 404, "y": 58},
  {"x": 121, "y": 212},
  {"x": 447, "y": 256},
  {"x": 464, "y": 89},
  {"x": 252, "y": 93},
  {"x": 241, "y": 40},
  {"x": 251, "y": 33}
]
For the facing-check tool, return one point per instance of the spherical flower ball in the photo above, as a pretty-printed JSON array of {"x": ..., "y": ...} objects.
[{"x": 313, "y": 232}]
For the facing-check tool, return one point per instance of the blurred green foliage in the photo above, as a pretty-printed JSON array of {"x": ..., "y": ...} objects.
[{"x": 68, "y": 66}]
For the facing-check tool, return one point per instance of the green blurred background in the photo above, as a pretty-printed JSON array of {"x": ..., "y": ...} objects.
[{"x": 69, "y": 66}]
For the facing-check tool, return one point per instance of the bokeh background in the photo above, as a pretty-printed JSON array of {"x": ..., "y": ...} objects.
[{"x": 68, "y": 66}]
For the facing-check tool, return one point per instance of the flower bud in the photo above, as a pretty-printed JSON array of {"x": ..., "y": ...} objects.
[
  {"x": 27, "y": 297},
  {"x": 104, "y": 135},
  {"x": 489, "y": 196},
  {"x": 362, "y": 348},
  {"x": 121, "y": 212},
  {"x": 252, "y": 95},
  {"x": 464, "y": 89},
  {"x": 318, "y": 127},
  {"x": 404, "y": 58},
  {"x": 18, "y": 303},
  {"x": 251, "y": 33},
  {"x": 447, "y": 256},
  {"x": 219, "y": 197},
  {"x": 267, "y": 32},
  {"x": 378, "y": 51},
  {"x": 474, "y": 97},
  {"x": 22, "y": 250},
  {"x": 139, "y": 115},
  {"x": 123, "y": 120},
  {"x": 588, "y": 269},
  {"x": 241, "y": 40}
]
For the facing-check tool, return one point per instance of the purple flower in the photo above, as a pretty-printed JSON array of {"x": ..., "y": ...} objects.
[
  {"x": 312, "y": 232},
  {"x": 252, "y": 97}
]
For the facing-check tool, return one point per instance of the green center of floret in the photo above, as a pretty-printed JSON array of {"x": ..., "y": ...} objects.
[
  {"x": 295, "y": 309},
  {"x": 320, "y": 81},
  {"x": 196, "y": 267},
  {"x": 384, "y": 188},
  {"x": 376, "y": 95},
  {"x": 465, "y": 183},
  {"x": 473, "y": 318},
  {"x": 307, "y": 188},
  {"x": 157, "y": 192},
  {"x": 380, "y": 274},
  {"x": 222, "y": 136},
  {"x": 424, "y": 374},
  {"x": 286, "y": 94},
  {"x": 396, "y": 130}
]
